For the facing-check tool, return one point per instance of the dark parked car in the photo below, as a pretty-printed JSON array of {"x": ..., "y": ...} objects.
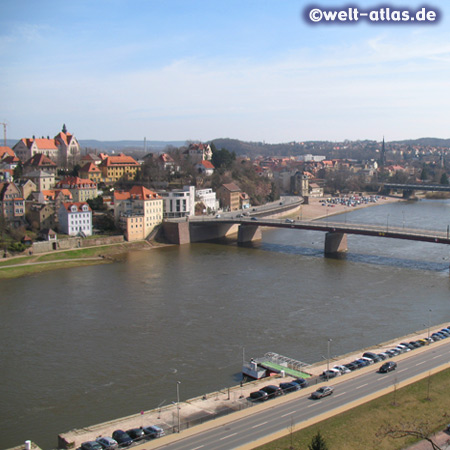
[
  {"x": 388, "y": 367},
  {"x": 272, "y": 390},
  {"x": 289, "y": 387},
  {"x": 153, "y": 431},
  {"x": 322, "y": 392},
  {"x": 91, "y": 445},
  {"x": 122, "y": 438},
  {"x": 372, "y": 356},
  {"x": 259, "y": 396},
  {"x": 352, "y": 366},
  {"x": 301, "y": 382},
  {"x": 136, "y": 434}
]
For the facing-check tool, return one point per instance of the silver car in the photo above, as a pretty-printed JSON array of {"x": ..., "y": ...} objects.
[{"x": 107, "y": 443}]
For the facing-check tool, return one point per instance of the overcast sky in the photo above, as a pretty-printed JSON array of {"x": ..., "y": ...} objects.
[{"x": 204, "y": 69}]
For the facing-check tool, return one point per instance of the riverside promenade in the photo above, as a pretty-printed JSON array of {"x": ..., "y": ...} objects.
[{"x": 229, "y": 404}]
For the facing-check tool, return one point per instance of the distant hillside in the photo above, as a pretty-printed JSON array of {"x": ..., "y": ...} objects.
[
  {"x": 128, "y": 145},
  {"x": 433, "y": 142}
]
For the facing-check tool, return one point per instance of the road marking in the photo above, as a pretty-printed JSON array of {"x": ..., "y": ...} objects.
[
  {"x": 419, "y": 364},
  {"x": 226, "y": 437},
  {"x": 342, "y": 393},
  {"x": 259, "y": 425},
  {"x": 288, "y": 414},
  {"x": 400, "y": 371},
  {"x": 196, "y": 448},
  {"x": 359, "y": 387},
  {"x": 437, "y": 356},
  {"x": 312, "y": 404}
]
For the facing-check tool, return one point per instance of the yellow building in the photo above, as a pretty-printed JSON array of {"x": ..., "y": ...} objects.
[
  {"x": 137, "y": 212},
  {"x": 118, "y": 167},
  {"x": 90, "y": 171}
]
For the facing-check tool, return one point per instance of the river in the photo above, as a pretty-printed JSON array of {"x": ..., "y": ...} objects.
[{"x": 85, "y": 345}]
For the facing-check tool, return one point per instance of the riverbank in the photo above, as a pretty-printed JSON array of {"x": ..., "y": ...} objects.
[
  {"x": 22, "y": 265},
  {"x": 203, "y": 409}
]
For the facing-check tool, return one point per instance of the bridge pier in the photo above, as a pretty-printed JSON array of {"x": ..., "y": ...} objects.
[
  {"x": 248, "y": 233},
  {"x": 335, "y": 243}
]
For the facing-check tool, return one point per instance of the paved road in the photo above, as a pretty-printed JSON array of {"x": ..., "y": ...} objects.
[{"x": 280, "y": 417}]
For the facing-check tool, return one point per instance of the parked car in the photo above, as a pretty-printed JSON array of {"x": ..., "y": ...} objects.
[
  {"x": 383, "y": 355},
  {"x": 322, "y": 392},
  {"x": 218, "y": 216},
  {"x": 254, "y": 218},
  {"x": 342, "y": 369},
  {"x": 272, "y": 390},
  {"x": 107, "y": 443},
  {"x": 368, "y": 360},
  {"x": 289, "y": 387},
  {"x": 259, "y": 396},
  {"x": 289, "y": 220},
  {"x": 153, "y": 431},
  {"x": 91, "y": 445},
  {"x": 136, "y": 434},
  {"x": 388, "y": 367},
  {"x": 393, "y": 352},
  {"x": 330, "y": 373},
  {"x": 301, "y": 382},
  {"x": 122, "y": 438},
  {"x": 351, "y": 366},
  {"x": 372, "y": 356}
]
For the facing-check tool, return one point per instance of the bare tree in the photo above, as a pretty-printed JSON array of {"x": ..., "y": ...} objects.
[{"x": 421, "y": 430}]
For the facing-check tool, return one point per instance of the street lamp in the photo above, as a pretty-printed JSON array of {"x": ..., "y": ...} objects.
[
  {"x": 178, "y": 403},
  {"x": 328, "y": 357},
  {"x": 387, "y": 223},
  {"x": 429, "y": 313}
]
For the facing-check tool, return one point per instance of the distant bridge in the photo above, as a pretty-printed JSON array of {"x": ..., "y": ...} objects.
[{"x": 409, "y": 188}]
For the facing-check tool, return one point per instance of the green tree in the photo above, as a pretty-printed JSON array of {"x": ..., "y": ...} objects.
[
  {"x": 424, "y": 174},
  {"x": 444, "y": 179},
  {"x": 223, "y": 159},
  {"x": 18, "y": 170},
  {"x": 318, "y": 443}
]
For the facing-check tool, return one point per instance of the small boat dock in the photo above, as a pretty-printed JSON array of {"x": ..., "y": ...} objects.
[{"x": 273, "y": 363}]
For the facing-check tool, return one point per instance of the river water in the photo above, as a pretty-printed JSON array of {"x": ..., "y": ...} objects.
[{"x": 85, "y": 345}]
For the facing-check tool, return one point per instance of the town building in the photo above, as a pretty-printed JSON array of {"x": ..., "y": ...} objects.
[
  {"x": 118, "y": 167},
  {"x": 69, "y": 149},
  {"x": 81, "y": 189},
  {"x": 179, "y": 202},
  {"x": 41, "y": 215},
  {"x": 90, "y": 171},
  {"x": 205, "y": 167},
  {"x": 39, "y": 162},
  {"x": 43, "y": 180},
  {"x": 75, "y": 219},
  {"x": 230, "y": 196},
  {"x": 198, "y": 152},
  {"x": 137, "y": 212},
  {"x": 207, "y": 198},
  {"x": 12, "y": 203},
  {"x": 6, "y": 151}
]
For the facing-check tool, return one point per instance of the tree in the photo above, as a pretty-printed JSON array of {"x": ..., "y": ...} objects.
[
  {"x": 444, "y": 179},
  {"x": 424, "y": 174},
  {"x": 18, "y": 170},
  {"x": 318, "y": 443}
]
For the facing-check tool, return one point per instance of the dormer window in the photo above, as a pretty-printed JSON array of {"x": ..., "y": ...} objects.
[{"x": 73, "y": 209}]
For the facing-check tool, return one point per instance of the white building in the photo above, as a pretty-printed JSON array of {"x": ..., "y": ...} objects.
[
  {"x": 75, "y": 219},
  {"x": 179, "y": 202},
  {"x": 208, "y": 198}
]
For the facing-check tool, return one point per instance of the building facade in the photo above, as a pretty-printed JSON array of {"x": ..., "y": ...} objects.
[
  {"x": 75, "y": 219},
  {"x": 81, "y": 189},
  {"x": 137, "y": 212},
  {"x": 179, "y": 202},
  {"x": 230, "y": 196},
  {"x": 12, "y": 203},
  {"x": 115, "y": 168}
]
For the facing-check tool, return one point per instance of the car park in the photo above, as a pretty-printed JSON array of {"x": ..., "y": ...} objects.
[
  {"x": 153, "y": 431},
  {"x": 436, "y": 337},
  {"x": 322, "y": 392},
  {"x": 122, "y": 438},
  {"x": 91, "y": 445},
  {"x": 107, "y": 443},
  {"x": 388, "y": 367},
  {"x": 272, "y": 390},
  {"x": 289, "y": 387},
  {"x": 136, "y": 434},
  {"x": 259, "y": 396},
  {"x": 415, "y": 344}
]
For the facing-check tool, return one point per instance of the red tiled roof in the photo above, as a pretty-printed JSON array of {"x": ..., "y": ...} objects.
[
  {"x": 6, "y": 151},
  {"x": 90, "y": 167},
  {"x": 45, "y": 143},
  {"x": 39, "y": 160},
  {"x": 76, "y": 183},
  {"x": 207, "y": 164},
  {"x": 138, "y": 193},
  {"x": 119, "y": 160},
  {"x": 67, "y": 206}
]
